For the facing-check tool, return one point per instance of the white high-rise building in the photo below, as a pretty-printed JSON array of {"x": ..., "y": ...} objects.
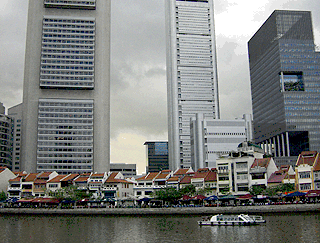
[
  {"x": 66, "y": 98},
  {"x": 191, "y": 72}
]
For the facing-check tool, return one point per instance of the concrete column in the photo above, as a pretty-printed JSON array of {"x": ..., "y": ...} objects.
[
  {"x": 288, "y": 144},
  {"x": 278, "y": 143},
  {"x": 283, "y": 145}
]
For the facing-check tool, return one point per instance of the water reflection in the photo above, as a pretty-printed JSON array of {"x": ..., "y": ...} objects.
[{"x": 279, "y": 228}]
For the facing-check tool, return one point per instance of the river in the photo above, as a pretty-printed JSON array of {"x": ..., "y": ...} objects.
[{"x": 284, "y": 227}]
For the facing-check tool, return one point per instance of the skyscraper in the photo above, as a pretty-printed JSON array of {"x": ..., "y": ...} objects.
[
  {"x": 285, "y": 85},
  {"x": 191, "y": 72},
  {"x": 6, "y": 138},
  {"x": 66, "y": 101},
  {"x": 157, "y": 156}
]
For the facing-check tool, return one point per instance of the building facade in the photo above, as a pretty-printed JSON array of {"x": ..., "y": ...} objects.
[
  {"x": 6, "y": 138},
  {"x": 127, "y": 170},
  {"x": 212, "y": 138},
  {"x": 284, "y": 72},
  {"x": 15, "y": 113},
  {"x": 192, "y": 81},
  {"x": 66, "y": 101},
  {"x": 157, "y": 156}
]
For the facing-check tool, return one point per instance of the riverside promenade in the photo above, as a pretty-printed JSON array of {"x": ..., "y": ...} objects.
[{"x": 264, "y": 209}]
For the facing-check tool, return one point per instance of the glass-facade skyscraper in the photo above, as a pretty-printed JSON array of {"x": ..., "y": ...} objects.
[
  {"x": 66, "y": 101},
  {"x": 192, "y": 81},
  {"x": 157, "y": 156},
  {"x": 285, "y": 85}
]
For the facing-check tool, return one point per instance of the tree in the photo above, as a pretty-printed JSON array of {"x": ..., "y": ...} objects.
[
  {"x": 188, "y": 190},
  {"x": 204, "y": 191},
  {"x": 257, "y": 190},
  {"x": 3, "y": 196},
  {"x": 167, "y": 194},
  {"x": 71, "y": 193}
]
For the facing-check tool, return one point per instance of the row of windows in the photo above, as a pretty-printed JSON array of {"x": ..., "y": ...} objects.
[{"x": 68, "y": 21}]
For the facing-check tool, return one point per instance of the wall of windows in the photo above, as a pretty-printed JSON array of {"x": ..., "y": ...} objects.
[
  {"x": 65, "y": 135},
  {"x": 67, "y": 55}
]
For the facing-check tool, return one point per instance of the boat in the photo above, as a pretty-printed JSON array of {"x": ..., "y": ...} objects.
[{"x": 229, "y": 220}]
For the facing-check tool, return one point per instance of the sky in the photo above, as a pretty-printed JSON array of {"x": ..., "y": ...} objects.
[{"x": 138, "y": 64}]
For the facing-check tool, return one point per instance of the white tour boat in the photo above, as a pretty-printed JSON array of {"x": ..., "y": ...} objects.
[{"x": 241, "y": 219}]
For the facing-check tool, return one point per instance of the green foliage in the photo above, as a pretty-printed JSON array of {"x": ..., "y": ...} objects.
[
  {"x": 257, "y": 190},
  {"x": 3, "y": 196},
  {"x": 204, "y": 191},
  {"x": 272, "y": 190},
  {"x": 167, "y": 194},
  {"x": 70, "y": 193},
  {"x": 188, "y": 190}
]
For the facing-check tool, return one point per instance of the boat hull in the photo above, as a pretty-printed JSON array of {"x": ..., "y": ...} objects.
[{"x": 234, "y": 223}]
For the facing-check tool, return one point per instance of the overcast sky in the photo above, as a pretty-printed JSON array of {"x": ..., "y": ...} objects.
[{"x": 138, "y": 64}]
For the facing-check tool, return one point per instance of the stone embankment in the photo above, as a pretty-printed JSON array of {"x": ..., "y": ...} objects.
[{"x": 288, "y": 208}]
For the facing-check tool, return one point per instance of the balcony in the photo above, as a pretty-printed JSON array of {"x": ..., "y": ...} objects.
[{"x": 258, "y": 170}]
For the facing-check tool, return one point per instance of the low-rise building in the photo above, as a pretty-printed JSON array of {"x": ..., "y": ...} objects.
[
  {"x": 116, "y": 187},
  {"x": 5, "y": 176},
  {"x": 261, "y": 170}
]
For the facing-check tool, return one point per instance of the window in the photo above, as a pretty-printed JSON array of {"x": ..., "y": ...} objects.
[
  {"x": 291, "y": 81},
  {"x": 304, "y": 175}
]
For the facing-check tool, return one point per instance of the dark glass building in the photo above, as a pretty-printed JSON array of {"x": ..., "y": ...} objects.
[
  {"x": 157, "y": 153},
  {"x": 285, "y": 85}
]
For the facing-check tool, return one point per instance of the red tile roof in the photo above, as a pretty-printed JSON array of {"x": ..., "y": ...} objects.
[
  {"x": 112, "y": 179},
  {"x": 70, "y": 177},
  {"x": 201, "y": 173},
  {"x": 149, "y": 177},
  {"x": 57, "y": 179},
  {"x": 40, "y": 181},
  {"x": 212, "y": 176},
  {"x": 307, "y": 157},
  {"x": 18, "y": 178},
  {"x": 164, "y": 174},
  {"x": 30, "y": 177},
  {"x": 2, "y": 168},
  {"x": 181, "y": 172},
  {"x": 186, "y": 179},
  {"x": 277, "y": 177},
  {"x": 261, "y": 163},
  {"x": 97, "y": 175},
  {"x": 174, "y": 178},
  {"x": 44, "y": 175},
  {"x": 82, "y": 179},
  {"x": 316, "y": 166}
]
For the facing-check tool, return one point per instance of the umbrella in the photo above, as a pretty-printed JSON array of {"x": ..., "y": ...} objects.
[
  {"x": 296, "y": 194},
  {"x": 186, "y": 198},
  {"x": 313, "y": 193},
  {"x": 244, "y": 197},
  {"x": 228, "y": 197},
  {"x": 198, "y": 197},
  {"x": 211, "y": 198}
]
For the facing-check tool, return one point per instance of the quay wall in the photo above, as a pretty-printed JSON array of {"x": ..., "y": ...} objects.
[{"x": 264, "y": 209}]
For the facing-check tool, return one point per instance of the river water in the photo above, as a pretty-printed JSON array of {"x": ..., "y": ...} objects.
[{"x": 278, "y": 228}]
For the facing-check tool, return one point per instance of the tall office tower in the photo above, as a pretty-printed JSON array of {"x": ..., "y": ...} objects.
[
  {"x": 15, "y": 113},
  {"x": 284, "y": 71},
  {"x": 6, "y": 138},
  {"x": 66, "y": 101},
  {"x": 191, "y": 72},
  {"x": 157, "y": 156}
]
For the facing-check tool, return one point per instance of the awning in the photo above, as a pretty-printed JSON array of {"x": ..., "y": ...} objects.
[
  {"x": 198, "y": 197},
  {"x": 45, "y": 200},
  {"x": 245, "y": 197},
  {"x": 296, "y": 194},
  {"x": 211, "y": 198},
  {"x": 313, "y": 193}
]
